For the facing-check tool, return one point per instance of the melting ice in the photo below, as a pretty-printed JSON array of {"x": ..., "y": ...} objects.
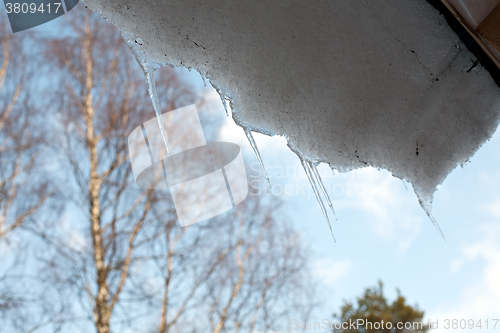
[{"x": 149, "y": 68}]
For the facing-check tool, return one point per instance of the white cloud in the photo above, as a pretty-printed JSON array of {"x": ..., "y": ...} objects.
[
  {"x": 494, "y": 207},
  {"x": 330, "y": 272},
  {"x": 393, "y": 214},
  {"x": 74, "y": 238},
  {"x": 9, "y": 244},
  {"x": 481, "y": 299}
]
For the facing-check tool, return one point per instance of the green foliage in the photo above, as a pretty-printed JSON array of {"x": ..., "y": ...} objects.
[{"x": 372, "y": 307}]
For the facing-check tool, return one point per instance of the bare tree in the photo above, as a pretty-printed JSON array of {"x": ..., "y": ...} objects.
[
  {"x": 22, "y": 189},
  {"x": 101, "y": 106},
  {"x": 242, "y": 270},
  {"x": 26, "y": 191},
  {"x": 116, "y": 255},
  {"x": 264, "y": 278}
]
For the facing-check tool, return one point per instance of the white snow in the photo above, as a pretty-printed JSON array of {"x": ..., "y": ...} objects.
[{"x": 381, "y": 83}]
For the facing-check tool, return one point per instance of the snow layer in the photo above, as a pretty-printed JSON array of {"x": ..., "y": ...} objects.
[{"x": 384, "y": 83}]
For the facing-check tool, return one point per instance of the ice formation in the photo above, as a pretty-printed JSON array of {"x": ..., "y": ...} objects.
[
  {"x": 253, "y": 144},
  {"x": 314, "y": 178},
  {"x": 149, "y": 69},
  {"x": 361, "y": 83}
]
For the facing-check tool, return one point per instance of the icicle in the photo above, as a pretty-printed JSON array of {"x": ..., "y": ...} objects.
[
  {"x": 436, "y": 225},
  {"x": 204, "y": 80},
  {"x": 320, "y": 181},
  {"x": 307, "y": 169},
  {"x": 150, "y": 79},
  {"x": 406, "y": 188},
  {"x": 426, "y": 205},
  {"x": 149, "y": 72},
  {"x": 223, "y": 99},
  {"x": 249, "y": 135}
]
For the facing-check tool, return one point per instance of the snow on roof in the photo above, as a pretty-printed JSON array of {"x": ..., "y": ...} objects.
[{"x": 361, "y": 83}]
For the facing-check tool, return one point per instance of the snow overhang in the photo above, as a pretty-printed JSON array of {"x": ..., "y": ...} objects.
[{"x": 381, "y": 83}]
